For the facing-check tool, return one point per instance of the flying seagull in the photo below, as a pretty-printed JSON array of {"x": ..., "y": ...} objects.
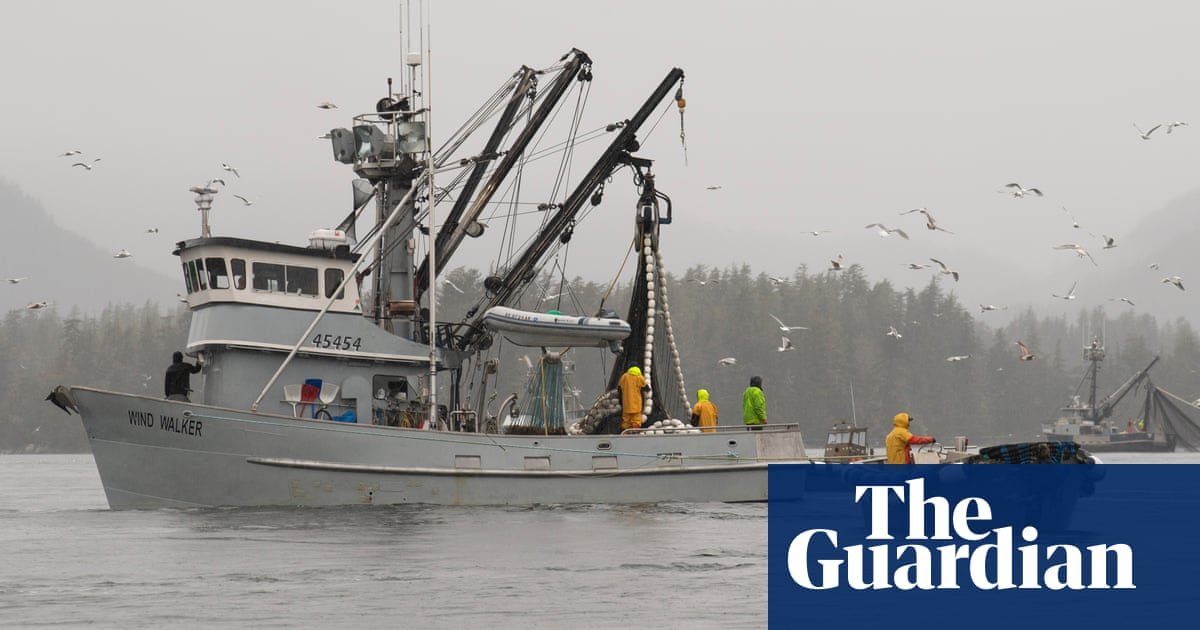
[
  {"x": 703, "y": 282},
  {"x": 1153, "y": 265},
  {"x": 838, "y": 264},
  {"x": 958, "y": 357},
  {"x": 815, "y": 232},
  {"x": 70, "y": 153},
  {"x": 453, "y": 286},
  {"x": 16, "y": 280},
  {"x": 1124, "y": 299},
  {"x": 124, "y": 253},
  {"x": 1172, "y": 125},
  {"x": 983, "y": 308},
  {"x": 717, "y": 187},
  {"x": 930, "y": 224},
  {"x": 61, "y": 397},
  {"x": 1078, "y": 249},
  {"x": 892, "y": 332},
  {"x": 728, "y": 361},
  {"x": 1145, "y": 134},
  {"x": 887, "y": 231},
  {"x": 785, "y": 344},
  {"x": 1175, "y": 280},
  {"x": 1109, "y": 242},
  {"x": 776, "y": 280},
  {"x": 945, "y": 269},
  {"x": 917, "y": 266},
  {"x": 245, "y": 201},
  {"x": 33, "y": 306},
  {"x": 1070, "y": 293},
  {"x": 229, "y": 169},
  {"x": 784, "y": 328},
  {"x": 85, "y": 165},
  {"x": 1026, "y": 355},
  {"x": 326, "y": 105},
  {"x": 151, "y": 230},
  {"x": 1018, "y": 191}
]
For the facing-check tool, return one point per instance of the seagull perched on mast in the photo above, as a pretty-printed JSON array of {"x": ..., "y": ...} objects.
[
  {"x": 945, "y": 269},
  {"x": 885, "y": 231},
  {"x": 1078, "y": 249},
  {"x": 1018, "y": 191}
]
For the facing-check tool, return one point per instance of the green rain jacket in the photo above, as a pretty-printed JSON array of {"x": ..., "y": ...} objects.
[{"x": 754, "y": 406}]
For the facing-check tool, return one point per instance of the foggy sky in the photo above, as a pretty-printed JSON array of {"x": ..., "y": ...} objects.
[{"x": 808, "y": 115}]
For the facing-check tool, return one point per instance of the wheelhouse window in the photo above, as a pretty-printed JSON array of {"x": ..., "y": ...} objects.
[
  {"x": 333, "y": 280},
  {"x": 187, "y": 279},
  {"x": 301, "y": 280},
  {"x": 200, "y": 274},
  {"x": 238, "y": 267},
  {"x": 267, "y": 277},
  {"x": 217, "y": 277},
  {"x": 194, "y": 280}
]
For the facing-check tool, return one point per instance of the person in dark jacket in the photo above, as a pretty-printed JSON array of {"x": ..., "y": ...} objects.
[{"x": 177, "y": 383}]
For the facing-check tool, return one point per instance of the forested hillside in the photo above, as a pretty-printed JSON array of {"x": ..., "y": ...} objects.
[{"x": 990, "y": 396}]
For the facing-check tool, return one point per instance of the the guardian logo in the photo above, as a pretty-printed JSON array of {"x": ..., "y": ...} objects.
[{"x": 975, "y": 555}]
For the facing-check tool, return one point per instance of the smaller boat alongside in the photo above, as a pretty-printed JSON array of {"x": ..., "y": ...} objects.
[{"x": 528, "y": 328}]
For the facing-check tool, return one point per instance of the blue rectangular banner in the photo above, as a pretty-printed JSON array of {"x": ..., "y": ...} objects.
[{"x": 984, "y": 545}]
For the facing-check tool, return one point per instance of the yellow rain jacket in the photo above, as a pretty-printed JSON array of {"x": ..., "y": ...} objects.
[
  {"x": 704, "y": 412},
  {"x": 898, "y": 441},
  {"x": 631, "y": 385}
]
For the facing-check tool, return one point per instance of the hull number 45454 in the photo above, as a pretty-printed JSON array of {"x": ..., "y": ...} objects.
[{"x": 337, "y": 342}]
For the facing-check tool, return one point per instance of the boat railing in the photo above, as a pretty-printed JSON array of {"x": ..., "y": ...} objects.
[{"x": 763, "y": 428}]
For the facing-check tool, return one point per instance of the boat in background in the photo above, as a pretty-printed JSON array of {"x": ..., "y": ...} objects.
[{"x": 1088, "y": 423}]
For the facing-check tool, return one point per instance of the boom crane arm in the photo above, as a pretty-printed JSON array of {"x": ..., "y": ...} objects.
[
  {"x": 617, "y": 153},
  {"x": 454, "y": 229},
  {"x": 1105, "y": 408}
]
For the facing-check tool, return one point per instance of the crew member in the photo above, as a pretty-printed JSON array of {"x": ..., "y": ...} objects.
[
  {"x": 704, "y": 414},
  {"x": 631, "y": 385},
  {"x": 754, "y": 405},
  {"x": 899, "y": 440},
  {"x": 177, "y": 384}
]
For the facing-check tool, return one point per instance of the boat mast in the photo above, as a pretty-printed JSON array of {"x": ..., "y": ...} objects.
[
  {"x": 433, "y": 336},
  {"x": 1093, "y": 353}
]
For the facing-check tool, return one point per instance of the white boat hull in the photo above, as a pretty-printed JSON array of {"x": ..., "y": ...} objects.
[
  {"x": 158, "y": 453},
  {"x": 527, "y": 328}
]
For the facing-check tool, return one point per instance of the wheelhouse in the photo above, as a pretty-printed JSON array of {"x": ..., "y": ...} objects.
[{"x": 224, "y": 270}]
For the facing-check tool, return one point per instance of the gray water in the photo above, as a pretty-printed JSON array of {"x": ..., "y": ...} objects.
[{"x": 65, "y": 559}]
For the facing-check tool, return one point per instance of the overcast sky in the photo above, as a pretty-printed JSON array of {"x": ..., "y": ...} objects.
[{"x": 810, "y": 116}]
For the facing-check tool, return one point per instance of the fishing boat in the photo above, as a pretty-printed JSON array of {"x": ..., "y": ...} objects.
[
  {"x": 1089, "y": 423},
  {"x": 328, "y": 377}
]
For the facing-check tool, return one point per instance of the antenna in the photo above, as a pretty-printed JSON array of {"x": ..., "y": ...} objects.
[{"x": 853, "y": 411}]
